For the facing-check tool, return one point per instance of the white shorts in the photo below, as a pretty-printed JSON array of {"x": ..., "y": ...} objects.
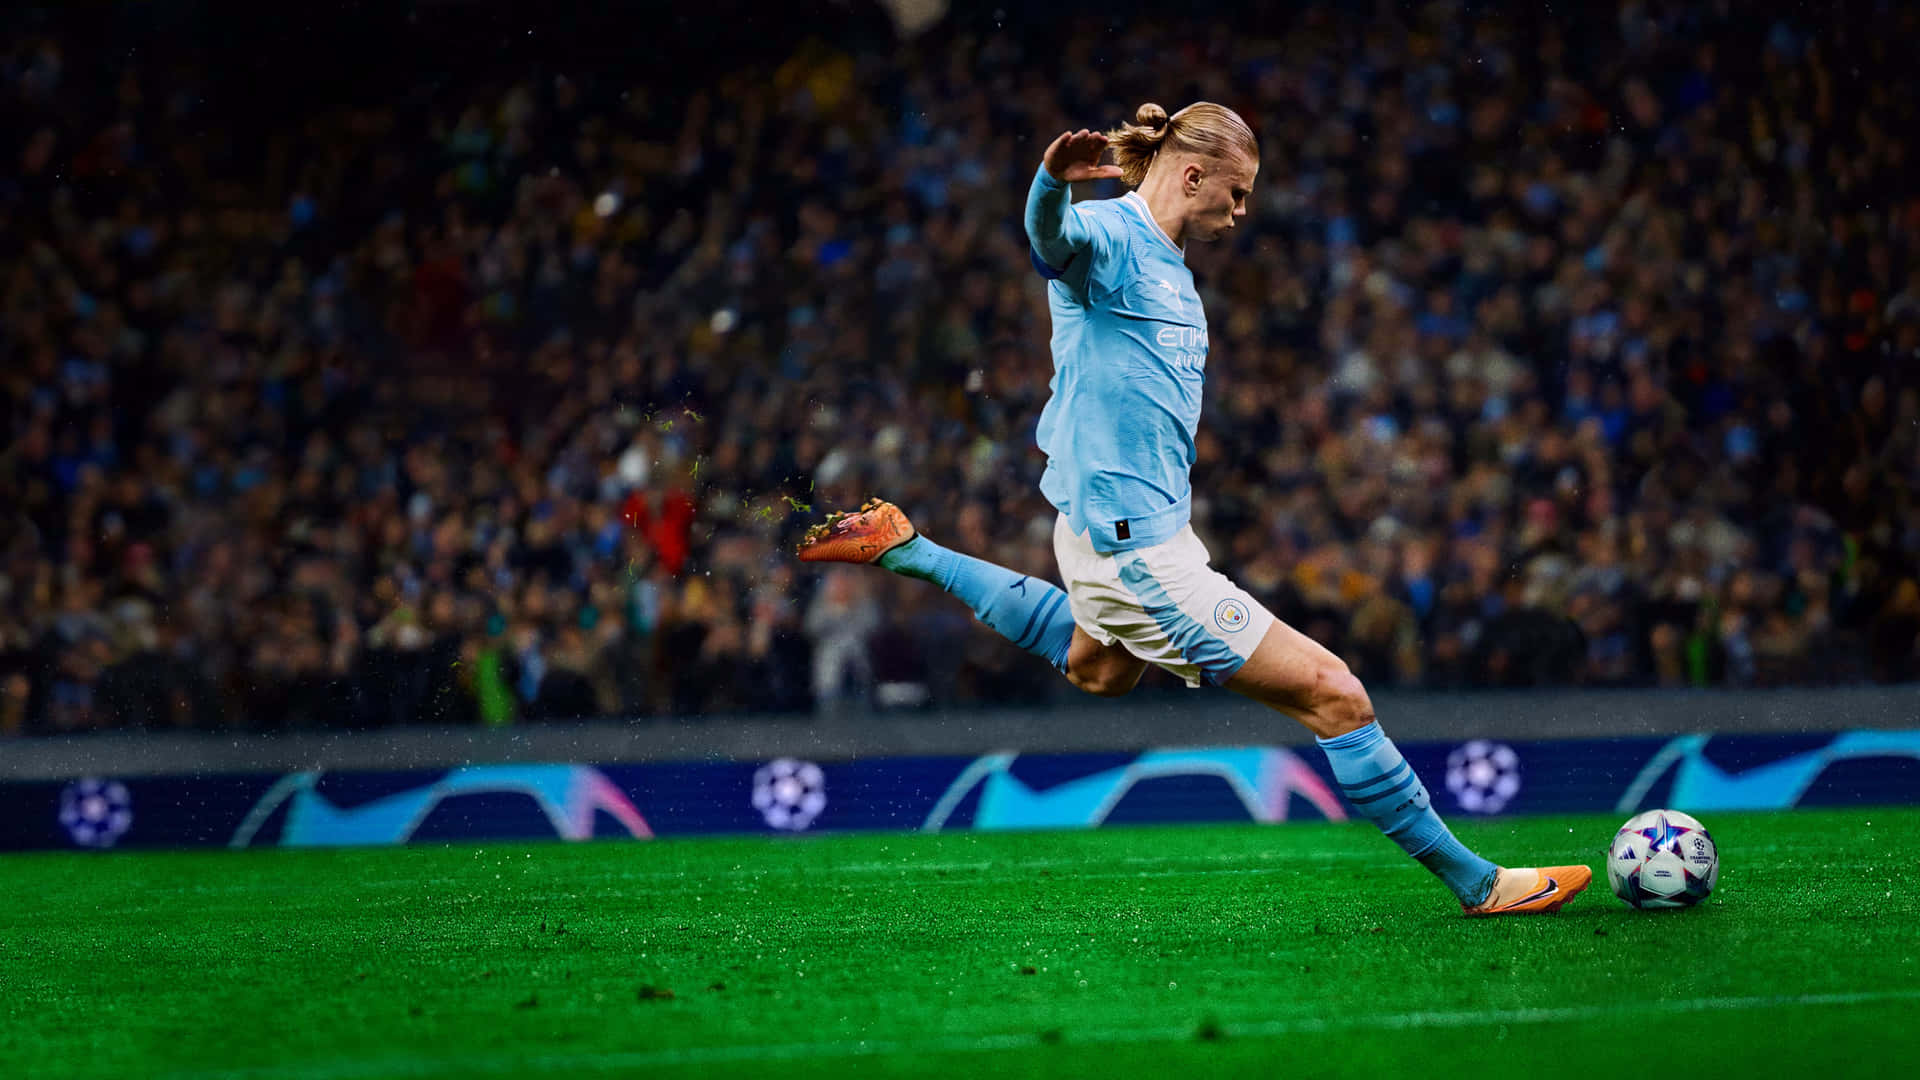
[{"x": 1164, "y": 603}]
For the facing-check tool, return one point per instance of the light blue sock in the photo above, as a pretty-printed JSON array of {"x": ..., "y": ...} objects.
[
  {"x": 1026, "y": 611},
  {"x": 1383, "y": 787}
]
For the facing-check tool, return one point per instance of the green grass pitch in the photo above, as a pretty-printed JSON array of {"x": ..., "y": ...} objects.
[{"x": 1297, "y": 950}]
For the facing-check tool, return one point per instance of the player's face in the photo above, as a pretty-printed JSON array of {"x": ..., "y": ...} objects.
[{"x": 1221, "y": 201}]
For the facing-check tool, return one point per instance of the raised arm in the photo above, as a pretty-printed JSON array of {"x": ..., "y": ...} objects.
[{"x": 1055, "y": 229}]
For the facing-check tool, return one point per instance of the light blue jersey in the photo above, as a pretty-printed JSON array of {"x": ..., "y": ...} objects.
[{"x": 1129, "y": 359}]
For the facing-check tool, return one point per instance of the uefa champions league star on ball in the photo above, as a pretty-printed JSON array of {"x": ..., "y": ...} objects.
[{"x": 1129, "y": 352}]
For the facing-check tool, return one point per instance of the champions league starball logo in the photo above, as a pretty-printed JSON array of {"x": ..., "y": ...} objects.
[
  {"x": 1484, "y": 776},
  {"x": 96, "y": 812},
  {"x": 789, "y": 794},
  {"x": 1230, "y": 615}
]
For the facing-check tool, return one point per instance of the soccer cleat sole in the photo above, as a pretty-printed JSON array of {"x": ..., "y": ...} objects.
[{"x": 861, "y": 536}]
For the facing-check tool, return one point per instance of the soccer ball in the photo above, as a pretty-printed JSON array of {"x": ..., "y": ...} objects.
[{"x": 1662, "y": 859}]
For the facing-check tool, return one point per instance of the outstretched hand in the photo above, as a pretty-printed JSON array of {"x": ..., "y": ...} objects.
[{"x": 1075, "y": 156}]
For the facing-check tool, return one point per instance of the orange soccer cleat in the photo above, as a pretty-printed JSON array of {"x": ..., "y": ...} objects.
[
  {"x": 860, "y": 537},
  {"x": 1527, "y": 891}
]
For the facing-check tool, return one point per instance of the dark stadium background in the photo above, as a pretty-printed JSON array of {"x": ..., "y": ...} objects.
[{"x": 1759, "y": 525}]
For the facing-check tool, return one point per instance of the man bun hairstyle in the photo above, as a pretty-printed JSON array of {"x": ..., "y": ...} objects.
[{"x": 1202, "y": 129}]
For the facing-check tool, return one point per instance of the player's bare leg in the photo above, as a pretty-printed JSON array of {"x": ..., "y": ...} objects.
[{"x": 1295, "y": 675}]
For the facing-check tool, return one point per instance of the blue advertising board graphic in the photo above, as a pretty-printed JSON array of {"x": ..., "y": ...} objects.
[
  {"x": 1695, "y": 773},
  {"x": 1263, "y": 778},
  {"x": 568, "y": 796},
  {"x": 1774, "y": 785}
]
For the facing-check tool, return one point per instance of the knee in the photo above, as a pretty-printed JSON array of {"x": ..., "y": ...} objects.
[
  {"x": 1340, "y": 701},
  {"x": 1102, "y": 670},
  {"x": 1105, "y": 683}
]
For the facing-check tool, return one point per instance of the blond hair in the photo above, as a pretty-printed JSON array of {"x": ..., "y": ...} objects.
[{"x": 1202, "y": 129}]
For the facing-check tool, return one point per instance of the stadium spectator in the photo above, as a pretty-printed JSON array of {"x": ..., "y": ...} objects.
[{"x": 503, "y": 402}]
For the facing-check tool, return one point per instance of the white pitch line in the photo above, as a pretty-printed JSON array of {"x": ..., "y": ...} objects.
[
  {"x": 1072, "y": 876},
  {"x": 1284, "y": 860},
  {"x": 1199, "y": 866},
  {"x": 960, "y": 1044}
]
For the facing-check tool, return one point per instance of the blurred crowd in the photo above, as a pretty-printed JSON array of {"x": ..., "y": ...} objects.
[{"x": 1551, "y": 352}]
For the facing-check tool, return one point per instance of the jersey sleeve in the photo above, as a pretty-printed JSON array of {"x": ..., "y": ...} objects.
[{"x": 1058, "y": 231}]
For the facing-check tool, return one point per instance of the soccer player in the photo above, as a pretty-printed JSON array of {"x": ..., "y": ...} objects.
[{"x": 1129, "y": 351}]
